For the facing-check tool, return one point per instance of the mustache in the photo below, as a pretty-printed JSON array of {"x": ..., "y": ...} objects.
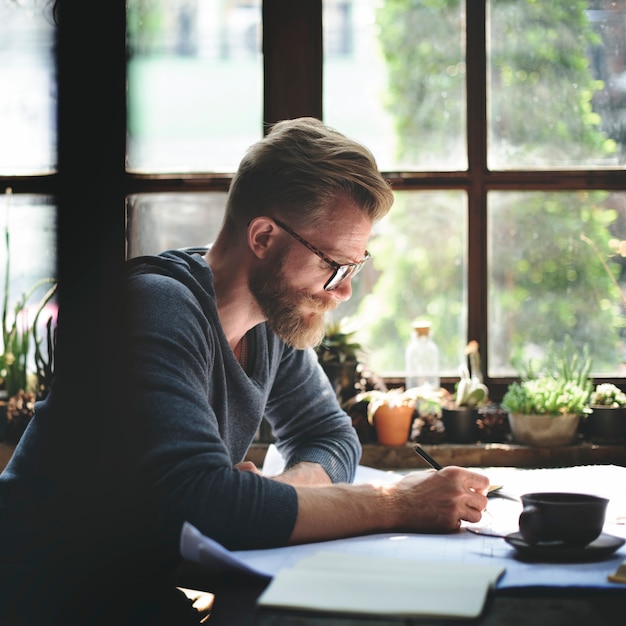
[{"x": 317, "y": 305}]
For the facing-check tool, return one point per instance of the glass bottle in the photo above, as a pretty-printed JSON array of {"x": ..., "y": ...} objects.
[{"x": 422, "y": 358}]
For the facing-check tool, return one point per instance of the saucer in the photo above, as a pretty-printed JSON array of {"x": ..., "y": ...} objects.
[{"x": 554, "y": 551}]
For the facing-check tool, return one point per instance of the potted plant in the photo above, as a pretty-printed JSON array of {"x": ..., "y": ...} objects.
[
  {"x": 459, "y": 411},
  {"x": 20, "y": 386},
  {"x": 338, "y": 354},
  {"x": 392, "y": 411},
  {"x": 493, "y": 423},
  {"x": 546, "y": 405},
  {"x": 606, "y": 422}
]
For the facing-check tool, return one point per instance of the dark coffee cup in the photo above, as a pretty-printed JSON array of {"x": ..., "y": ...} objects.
[{"x": 571, "y": 518}]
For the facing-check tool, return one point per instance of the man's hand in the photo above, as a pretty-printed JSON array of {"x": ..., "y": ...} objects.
[
  {"x": 425, "y": 501},
  {"x": 247, "y": 466},
  {"x": 439, "y": 500}
]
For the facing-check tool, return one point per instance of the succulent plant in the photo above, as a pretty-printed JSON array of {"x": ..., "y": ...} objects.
[
  {"x": 423, "y": 400},
  {"x": 18, "y": 330},
  {"x": 337, "y": 345},
  {"x": 470, "y": 391},
  {"x": 560, "y": 384},
  {"x": 546, "y": 395},
  {"x": 607, "y": 394}
]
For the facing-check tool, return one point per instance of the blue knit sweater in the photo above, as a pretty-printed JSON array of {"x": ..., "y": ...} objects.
[
  {"x": 168, "y": 457},
  {"x": 196, "y": 411}
]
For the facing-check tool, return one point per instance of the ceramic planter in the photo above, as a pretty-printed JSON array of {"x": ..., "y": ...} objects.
[
  {"x": 460, "y": 424},
  {"x": 544, "y": 430},
  {"x": 493, "y": 424},
  {"x": 606, "y": 424},
  {"x": 343, "y": 378},
  {"x": 393, "y": 424}
]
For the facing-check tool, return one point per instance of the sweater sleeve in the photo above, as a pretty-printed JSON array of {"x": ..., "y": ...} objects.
[{"x": 177, "y": 465}]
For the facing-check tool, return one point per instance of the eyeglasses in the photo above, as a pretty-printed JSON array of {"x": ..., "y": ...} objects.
[{"x": 341, "y": 273}]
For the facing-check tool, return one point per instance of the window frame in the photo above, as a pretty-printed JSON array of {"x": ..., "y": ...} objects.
[{"x": 293, "y": 63}]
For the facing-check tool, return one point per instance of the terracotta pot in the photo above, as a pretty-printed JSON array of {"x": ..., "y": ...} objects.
[
  {"x": 544, "y": 430},
  {"x": 460, "y": 424},
  {"x": 606, "y": 424},
  {"x": 393, "y": 424}
]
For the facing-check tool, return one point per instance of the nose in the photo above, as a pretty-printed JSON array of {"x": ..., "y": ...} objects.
[{"x": 343, "y": 291}]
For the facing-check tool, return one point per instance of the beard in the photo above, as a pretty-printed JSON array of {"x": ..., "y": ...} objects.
[{"x": 295, "y": 316}]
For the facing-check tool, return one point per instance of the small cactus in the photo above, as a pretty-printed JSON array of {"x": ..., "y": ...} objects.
[{"x": 470, "y": 390}]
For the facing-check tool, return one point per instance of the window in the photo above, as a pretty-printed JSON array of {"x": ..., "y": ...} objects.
[
  {"x": 27, "y": 153},
  {"x": 499, "y": 124}
]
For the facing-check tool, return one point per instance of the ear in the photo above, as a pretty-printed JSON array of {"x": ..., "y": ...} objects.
[{"x": 262, "y": 233}]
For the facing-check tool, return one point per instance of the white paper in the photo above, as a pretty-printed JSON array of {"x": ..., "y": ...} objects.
[
  {"x": 198, "y": 548},
  {"x": 502, "y": 515},
  {"x": 459, "y": 547},
  {"x": 274, "y": 464}
]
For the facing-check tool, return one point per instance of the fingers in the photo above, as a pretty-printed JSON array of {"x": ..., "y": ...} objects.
[
  {"x": 247, "y": 466},
  {"x": 477, "y": 500},
  {"x": 469, "y": 479},
  {"x": 476, "y": 486},
  {"x": 473, "y": 514},
  {"x": 442, "y": 500}
]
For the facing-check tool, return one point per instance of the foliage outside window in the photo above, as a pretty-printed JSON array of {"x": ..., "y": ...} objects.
[
  {"x": 544, "y": 280},
  {"x": 507, "y": 243},
  {"x": 548, "y": 72}
]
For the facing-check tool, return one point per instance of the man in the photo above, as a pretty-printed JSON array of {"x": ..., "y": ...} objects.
[{"x": 220, "y": 338}]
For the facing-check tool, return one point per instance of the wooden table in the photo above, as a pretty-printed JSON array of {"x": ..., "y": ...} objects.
[
  {"x": 470, "y": 455},
  {"x": 527, "y": 607},
  {"x": 235, "y": 605}
]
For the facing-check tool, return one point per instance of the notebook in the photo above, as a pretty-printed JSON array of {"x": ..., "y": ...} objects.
[{"x": 362, "y": 584}]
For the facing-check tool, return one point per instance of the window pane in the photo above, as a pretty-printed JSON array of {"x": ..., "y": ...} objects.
[
  {"x": 557, "y": 84},
  {"x": 31, "y": 224},
  {"x": 394, "y": 78},
  {"x": 557, "y": 268},
  {"x": 158, "y": 222},
  {"x": 194, "y": 84},
  {"x": 418, "y": 269},
  {"x": 355, "y": 78},
  {"x": 28, "y": 92}
]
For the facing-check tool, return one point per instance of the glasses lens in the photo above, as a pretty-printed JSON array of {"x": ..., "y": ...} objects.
[
  {"x": 334, "y": 280},
  {"x": 345, "y": 271},
  {"x": 341, "y": 274}
]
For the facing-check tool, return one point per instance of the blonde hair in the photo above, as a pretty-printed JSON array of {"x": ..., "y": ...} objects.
[{"x": 298, "y": 169}]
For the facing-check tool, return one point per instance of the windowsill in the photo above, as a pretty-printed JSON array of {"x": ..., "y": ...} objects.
[
  {"x": 471, "y": 455},
  {"x": 480, "y": 455},
  {"x": 6, "y": 452}
]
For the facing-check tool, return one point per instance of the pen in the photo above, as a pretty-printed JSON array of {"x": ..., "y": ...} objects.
[
  {"x": 429, "y": 459},
  {"x": 494, "y": 490}
]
